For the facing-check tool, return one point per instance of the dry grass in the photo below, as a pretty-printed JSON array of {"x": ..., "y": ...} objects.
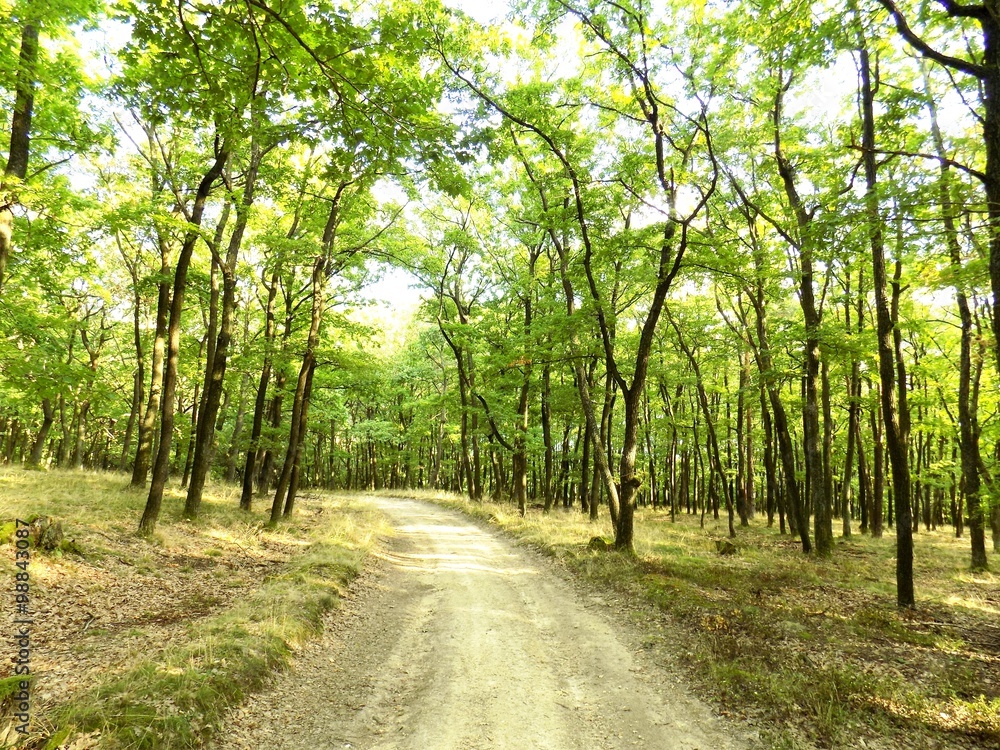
[{"x": 143, "y": 643}]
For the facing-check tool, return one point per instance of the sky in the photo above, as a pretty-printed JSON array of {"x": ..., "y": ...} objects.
[{"x": 398, "y": 290}]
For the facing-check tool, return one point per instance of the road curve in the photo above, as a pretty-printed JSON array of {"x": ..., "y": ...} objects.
[{"x": 461, "y": 640}]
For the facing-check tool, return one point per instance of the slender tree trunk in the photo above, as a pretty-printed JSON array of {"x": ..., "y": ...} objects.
[
  {"x": 147, "y": 426},
  {"x": 769, "y": 468},
  {"x": 520, "y": 458},
  {"x": 161, "y": 466},
  {"x": 968, "y": 418},
  {"x": 791, "y": 497},
  {"x": 293, "y": 484},
  {"x": 828, "y": 492},
  {"x": 604, "y": 437},
  {"x": 878, "y": 505},
  {"x": 234, "y": 442},
  {"x": 280, "y": 378},
  {"x": 303, "y": 383},
  {"x": 854, "y": 392},
  {"x": 713, "y": 443},
  {"x": 742, "y": 437},
  {"x": 546, "y": 414},
  {"x": 48, "y": 416},
  {"x": 139, "y": 375},
  {"x": 818, "y": 500},
  {"x": 20, "y": 139},
  {"x": 889, "y": 365},
  {"x": 215, "y": 372},
  {"x": 192, "y": 433}
]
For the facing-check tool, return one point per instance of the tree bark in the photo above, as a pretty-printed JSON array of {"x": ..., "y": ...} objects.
[
  {"x": 216, "y": 368},
  {"x": 968, "y": 418},
  {"x": 48, "y": 416},
  {"x": 20, "y": 139},
  {"x": 303, "y": 383},
  {"x": 161, "y": 467},
  {"x": 890, "y": 366},
  {"x": 818, "y": 499},
  {"x": 713, "y": 443}
]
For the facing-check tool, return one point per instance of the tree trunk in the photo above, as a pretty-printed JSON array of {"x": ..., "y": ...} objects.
[
  {"x": 742, "y": 438},
  {"x": 293, "y": 484},
  {"x": 161, "y": 467},
  {"x": 713, "y": 443},
  {"x": 139, "y": 375},
  {"x": 241, "y": 411},
  {"x": 818, "y": 500},
  {"x": 147, "y": 426},
  {"x": 48, "y": 416},
  {"x": 20, "y": 139},
  {"x": 215, "y": 372},
  {"x": 520, "y": 459},
  {"x": 889, "y": 365},
  {"x": 968, "y": 418},
  {"x": 303, "y": 383},
  {"x": 546, "y": 414}
]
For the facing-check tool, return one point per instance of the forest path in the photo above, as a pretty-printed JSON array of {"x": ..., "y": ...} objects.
[{"x": 458, "y": 639}]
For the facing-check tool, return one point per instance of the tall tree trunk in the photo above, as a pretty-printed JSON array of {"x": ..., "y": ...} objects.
[
  {"x": 546, "y": 414},
  {"x": 604, "y": 438},
  {"x": 742, "y": 437},
  {"x": 147, "y": 426},
  {"x": 790, "y": 499},
  {"x": 303, "y": 383},
  {"x": 48, "y": 416},
  {"x": 769, "y": 468},
  {"x": 215, "y": 372},
  {"x": 280, "y": 378},
  {"x": 818, "y": 500},
  {"x": 192, "y": 433},
  {"x": 520, "y": 458},
  {"x": 854, "y": 393},
  {"x": 713, "y": 443},
  {"x": 20, "y": 139},
  {"x": 161, "y": 466},
  {"x": 140, "y": 370},
  {"x": 854, "y": 409},
  {"x": 889, "y": 366},
  {"x": 828, "y": 492},
  {"x": 234, "y": 442},
  {"x": 293, "y": 483},
  {"x": 968, "y": 418}
]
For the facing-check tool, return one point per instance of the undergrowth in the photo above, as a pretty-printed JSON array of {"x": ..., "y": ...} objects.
[
  {"x": 177, "y": 700},
  {"x": 174, "y": 697}
]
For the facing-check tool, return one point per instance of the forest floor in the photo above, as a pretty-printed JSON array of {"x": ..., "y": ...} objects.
[
  {"x": 813, "y": 652},
  {"x": 460, "y": 638},
  {"x": 457, "y": 639},
  {"x": 144, "y": 643}
]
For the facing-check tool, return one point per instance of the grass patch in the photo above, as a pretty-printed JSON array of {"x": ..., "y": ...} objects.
[
  {"x": 215, "y": 647},
  {"x": 816, "y": 647}
]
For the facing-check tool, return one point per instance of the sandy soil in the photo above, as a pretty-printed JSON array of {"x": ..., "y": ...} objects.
[{"x": 458, "y": 639}]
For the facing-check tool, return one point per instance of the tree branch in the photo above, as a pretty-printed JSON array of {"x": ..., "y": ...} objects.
[{"x": 978, "y": 71}]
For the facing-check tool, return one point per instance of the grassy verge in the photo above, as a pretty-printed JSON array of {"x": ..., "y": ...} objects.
[
  {"x": 207, "y": 649},
  {"x": 814, "y": 650}
]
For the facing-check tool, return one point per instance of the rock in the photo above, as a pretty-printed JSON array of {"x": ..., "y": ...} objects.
[
  {"x": 599, "y": 544},
  {"x": 45, "y": 533},
  {"x": 725, "y": 547}
]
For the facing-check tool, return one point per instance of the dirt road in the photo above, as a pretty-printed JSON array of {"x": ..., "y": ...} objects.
[{"x": 459, "y": 639}]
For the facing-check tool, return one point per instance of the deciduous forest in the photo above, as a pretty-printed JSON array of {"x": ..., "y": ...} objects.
[{"x": 718, "y": 260}]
